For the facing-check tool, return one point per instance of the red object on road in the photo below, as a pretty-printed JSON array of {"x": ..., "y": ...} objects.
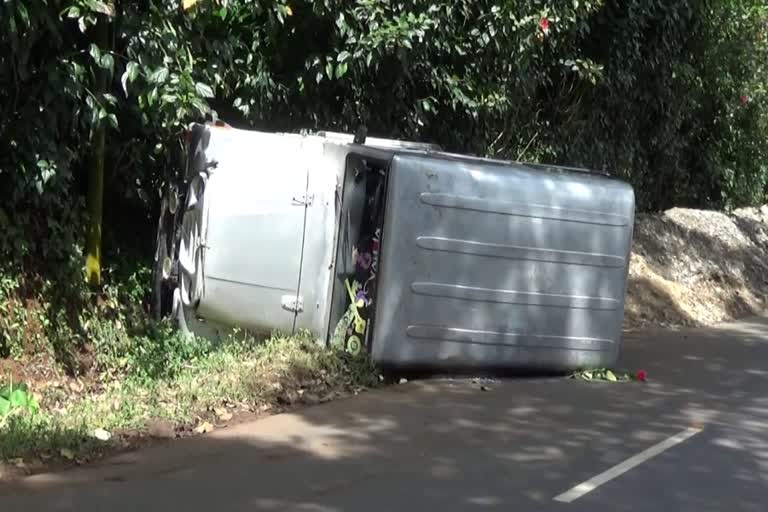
[{"x": 641, "y": 375}]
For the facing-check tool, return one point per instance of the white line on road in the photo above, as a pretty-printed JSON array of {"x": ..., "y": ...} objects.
[{"x": 619, "y": 469}]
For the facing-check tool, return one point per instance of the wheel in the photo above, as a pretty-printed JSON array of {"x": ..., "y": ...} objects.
[
  {"x": 162, "y": 291},
  {"x": 354, "y": 345}
]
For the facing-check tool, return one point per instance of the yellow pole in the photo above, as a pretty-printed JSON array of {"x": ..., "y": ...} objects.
[{"x": 96, "y": 173}]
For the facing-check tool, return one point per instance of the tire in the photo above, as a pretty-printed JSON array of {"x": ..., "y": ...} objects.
[{"x": 162, "y": 293}]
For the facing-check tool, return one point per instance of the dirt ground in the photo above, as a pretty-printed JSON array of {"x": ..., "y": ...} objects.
[{"x": 696, "y": 268}]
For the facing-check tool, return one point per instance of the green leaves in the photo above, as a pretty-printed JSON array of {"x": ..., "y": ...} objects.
[
  {"x": 102, "y": 60},
  {"x": 204, "y": 90},
  {"x": 95, "y": 52},
  {"x": 132, "y": 69},
  {"x": 283, "y": 11},
  {"x": 129, "y": 75},
  {"x": 107, "y": 62},
  {"x": 72, "y": 12},
  {"x": 100, "y": 7},
  {"x": 159, "y": 76},
  {"x": 341, "y": 69},
  {"x": 16, "y": 397},
  {"x": 342, "y": 66}
]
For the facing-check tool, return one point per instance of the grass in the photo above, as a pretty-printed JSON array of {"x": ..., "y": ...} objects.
[
  {"x": 97, "y": 363},
  {"x": 204, "y": 383}
]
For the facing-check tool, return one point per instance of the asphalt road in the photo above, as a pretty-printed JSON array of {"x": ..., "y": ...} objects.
[{"x": 452, "y": 446}]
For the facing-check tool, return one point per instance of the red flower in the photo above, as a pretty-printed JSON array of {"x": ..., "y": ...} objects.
[
  {"x": 641, "y": 375},
  {"x": 544, "y": 24},
  {"x": 744, "y": 99}
]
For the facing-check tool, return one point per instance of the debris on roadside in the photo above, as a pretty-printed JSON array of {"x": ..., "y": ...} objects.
[
  {"x": 102, "y": 435},
  {"x": 223, "y": 414},
  {"x": 204, "y": 428},
  {"x": 608, "y": 375}
]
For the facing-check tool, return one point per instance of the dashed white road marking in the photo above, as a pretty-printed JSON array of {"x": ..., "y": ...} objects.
[{"x": 606, "y": 476}]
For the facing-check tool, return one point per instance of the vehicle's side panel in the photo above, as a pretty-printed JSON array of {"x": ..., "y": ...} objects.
[{"x": 496, "y": 265}]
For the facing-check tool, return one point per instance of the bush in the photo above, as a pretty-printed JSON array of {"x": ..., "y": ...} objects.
[{"x": 680, "y": 109}]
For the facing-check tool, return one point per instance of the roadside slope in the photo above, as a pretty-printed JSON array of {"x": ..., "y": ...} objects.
[{"x": 697, "y": 267}]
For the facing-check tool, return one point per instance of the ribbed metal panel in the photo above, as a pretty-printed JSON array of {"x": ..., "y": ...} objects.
[{"x": 487, "y": 264}]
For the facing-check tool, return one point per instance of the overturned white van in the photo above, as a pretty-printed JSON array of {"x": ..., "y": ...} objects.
[{"x": 422, "y": 258}]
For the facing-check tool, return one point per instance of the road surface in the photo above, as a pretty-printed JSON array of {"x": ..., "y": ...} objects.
[{"x": 694, "y": 438}]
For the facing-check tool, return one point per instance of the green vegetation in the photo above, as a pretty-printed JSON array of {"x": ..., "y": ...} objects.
[
  {"x": 210, "y": 387},
  {"x": 95, "y": 96},
  {"x": 16, "y": 399}
]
